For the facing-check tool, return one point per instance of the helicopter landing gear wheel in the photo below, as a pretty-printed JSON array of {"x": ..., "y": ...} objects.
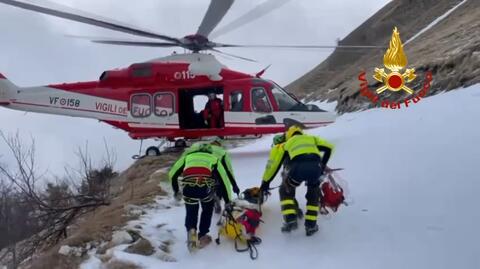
[
  {"x": 152, "y": 151},
  {"x": 180, "y": 143}
]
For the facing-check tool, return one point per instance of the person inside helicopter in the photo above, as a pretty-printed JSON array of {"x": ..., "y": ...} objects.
[
  {"x": 236, "y": 101},
  {"x": 260, "y": 101},
  {"x": 213, "y": 112}
]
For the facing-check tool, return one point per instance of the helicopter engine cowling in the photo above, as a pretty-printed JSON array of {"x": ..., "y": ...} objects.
[{"x": 111, "y": 77}]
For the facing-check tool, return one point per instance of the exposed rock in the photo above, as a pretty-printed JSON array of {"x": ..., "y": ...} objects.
[
  {"x": 106, "y": 257},
  {"x": 102, "y": 249},
  {"x": 165, "y": 246},
  {"x": 71, "y": 251},
  {"x": 118, "y": 264},
  {"x": 134, "y": 234},
  {"x": 120, "y": 237},
  {"x": 64, "y": 250},
  {"x": 141, "y": 247},
  {"x": 134, "y": 211},
  {"x": 161, "y": 225}
]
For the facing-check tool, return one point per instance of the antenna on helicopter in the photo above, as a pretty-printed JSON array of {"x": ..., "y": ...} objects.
[{"x": 259, "y": 74}]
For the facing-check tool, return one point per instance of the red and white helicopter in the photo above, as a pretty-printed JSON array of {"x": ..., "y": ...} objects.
[{"x": 157, "y": 99}]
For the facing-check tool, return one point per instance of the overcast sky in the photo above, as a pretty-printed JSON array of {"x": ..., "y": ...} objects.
[{"x": 35, "y": 51}]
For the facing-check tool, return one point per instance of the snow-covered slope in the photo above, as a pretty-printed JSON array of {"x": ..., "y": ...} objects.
[{"x": 412, "y": 177}]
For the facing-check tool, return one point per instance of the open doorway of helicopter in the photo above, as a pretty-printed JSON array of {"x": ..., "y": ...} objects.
[{"x": 192, "y": 103}]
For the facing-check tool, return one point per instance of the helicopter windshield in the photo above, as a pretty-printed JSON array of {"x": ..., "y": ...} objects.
[{"x": 284, "y": 100}]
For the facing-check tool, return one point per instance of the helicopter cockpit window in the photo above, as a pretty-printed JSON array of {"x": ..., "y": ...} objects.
[
  {"x": 260, "y": 101},
  {"x": 284, "y": 100},
  {"x": 236, "y": 101},
  {"x": 141, "y": 105},
  {"x": 164, "y": 104}
]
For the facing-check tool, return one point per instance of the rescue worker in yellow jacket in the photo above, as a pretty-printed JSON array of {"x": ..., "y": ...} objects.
[
  {"x": 200, "y": 169},
  {"x": 224, "y": 157},
  {"x": 304, "y": 158}
]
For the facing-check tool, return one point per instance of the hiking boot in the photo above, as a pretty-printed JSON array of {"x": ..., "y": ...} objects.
[
  {"x": 192, "y": 241},
  {"x": 289, "y": 226},
  {"x": 311, "y": 230},
  {"x": 204, "y": 241}
]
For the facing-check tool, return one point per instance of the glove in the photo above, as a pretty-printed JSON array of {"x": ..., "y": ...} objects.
[
  {"x": 236, "y": 190},
  {"x": 178, "y": 196},
  {"x": 264, "y": 191},
  {"x": 279, "y": 139},
  {"x": 229, "y": 207},
  {"x": 265, "y": 186}
]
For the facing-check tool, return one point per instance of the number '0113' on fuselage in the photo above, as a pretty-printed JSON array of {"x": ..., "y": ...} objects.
[{"x": 163, "y": 98}]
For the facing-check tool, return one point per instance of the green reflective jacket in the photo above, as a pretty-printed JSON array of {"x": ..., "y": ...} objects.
[
  {"x": 295, "y": 146},
  {"x": 200, "y": 159},
  {"x": 221, "y": 154}
]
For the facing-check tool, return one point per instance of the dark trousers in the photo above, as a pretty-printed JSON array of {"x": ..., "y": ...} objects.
[
  {"x": 193, "y": 197},
  {"x": 306, "y": 170}
]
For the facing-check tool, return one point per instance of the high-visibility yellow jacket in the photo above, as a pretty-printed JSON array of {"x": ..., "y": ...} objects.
[
  {"x": 293, "y": 147},
  {"x": 224, "y": 157},
  {"x": 205, "y": 160}
]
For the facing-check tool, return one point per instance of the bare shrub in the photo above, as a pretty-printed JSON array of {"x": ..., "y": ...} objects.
[{"x": 43, "y": 212}]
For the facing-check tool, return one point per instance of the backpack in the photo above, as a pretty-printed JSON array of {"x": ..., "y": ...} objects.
[{"x": 332, "y": 194}]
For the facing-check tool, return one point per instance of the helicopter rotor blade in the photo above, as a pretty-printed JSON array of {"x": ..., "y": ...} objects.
[
  {"x": 215, "y": 13},
  {"x": 219, "y": 45},
  {"x": 137, "y": 43},
  {"x": 234, "y": 56},
  {"x": 71, "y": 14},
  {"x": 257, "y": 12},
  {"x": 125, "y": 42}
]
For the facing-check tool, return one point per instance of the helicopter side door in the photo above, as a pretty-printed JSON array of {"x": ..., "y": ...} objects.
[{"x": 153, "y": 109}]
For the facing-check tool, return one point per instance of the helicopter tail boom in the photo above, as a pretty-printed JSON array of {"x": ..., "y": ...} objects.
[{"x": 7, "y": 90}]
